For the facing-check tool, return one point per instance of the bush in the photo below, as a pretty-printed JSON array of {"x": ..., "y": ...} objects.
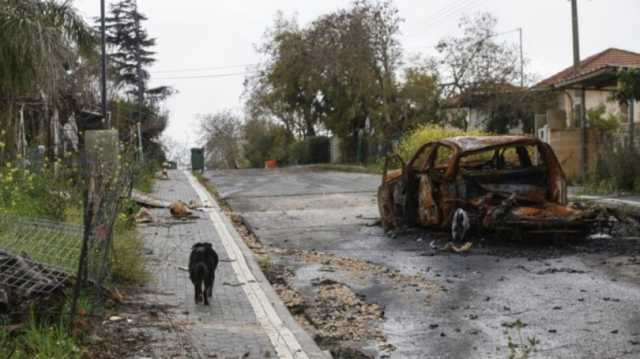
[
  {"x": 145, "y": 174},
  {"x": 617, "y": 170},
  {"x": 264, "y": 141},
  {"x": 601, "y": 120},
  {"x": 310, "y": 150},
  {"x": 45, "y": 193},
  {"x": 412, "y": 141}
]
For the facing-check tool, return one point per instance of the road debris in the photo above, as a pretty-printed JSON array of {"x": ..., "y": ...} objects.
[
  {"x": 340, "y": 318},
  {"x": 450, "y": 246},
  {"x": 179, "y": 210},
  {"x": 23, "y": 279},
  {"x": 143, "y": 216},
  {"x": 146, "y": 200}
]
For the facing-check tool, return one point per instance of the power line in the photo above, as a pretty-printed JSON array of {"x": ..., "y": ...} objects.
[
  {"x": 206, "y": 76},
  {"x": 448, "y": 15},
  {"x": 488, "y": 37},
  {"x": 197, "y": 69},
  {"x": 447, "y": 9}
]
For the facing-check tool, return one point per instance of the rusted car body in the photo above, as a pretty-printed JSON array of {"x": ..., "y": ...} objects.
[{"x": 512, "y": 185}]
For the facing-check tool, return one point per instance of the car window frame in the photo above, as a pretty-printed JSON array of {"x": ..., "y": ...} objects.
[{"x": 428, "y": 161}]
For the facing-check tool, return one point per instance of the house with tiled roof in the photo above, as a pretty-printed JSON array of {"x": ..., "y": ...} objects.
[{"x": 597, "y": 75}]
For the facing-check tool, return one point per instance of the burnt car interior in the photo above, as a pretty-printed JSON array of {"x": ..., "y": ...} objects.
[
  {"x": 434, "y": 186},
  {"x": 505, "y": 171}
]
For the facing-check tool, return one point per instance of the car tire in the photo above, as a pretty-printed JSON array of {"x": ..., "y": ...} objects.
[{"x": 460, "y": 225}]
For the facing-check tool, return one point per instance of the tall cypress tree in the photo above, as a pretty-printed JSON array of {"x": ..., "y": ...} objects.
[{"x": 131, "y": 52}]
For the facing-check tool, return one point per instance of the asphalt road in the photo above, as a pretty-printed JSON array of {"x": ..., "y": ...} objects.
[{"x": 578, "y": 300}]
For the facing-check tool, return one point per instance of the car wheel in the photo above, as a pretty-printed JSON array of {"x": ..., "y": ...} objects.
[{"x": 460, "y": 225}]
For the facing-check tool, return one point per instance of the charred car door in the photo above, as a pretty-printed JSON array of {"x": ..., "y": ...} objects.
[
  {"x": 431, "y": 182},
  {"x": 398, "y": 193}
]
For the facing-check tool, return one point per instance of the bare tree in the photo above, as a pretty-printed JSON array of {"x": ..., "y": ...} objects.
[
  {"x": 221, "y": 135},
  {"x": 476, "y": 60}
]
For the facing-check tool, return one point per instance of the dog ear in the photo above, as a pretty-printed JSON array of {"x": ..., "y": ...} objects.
[
  {"x": 196, "y": 245},
  {"x": 207, "y": 245}
]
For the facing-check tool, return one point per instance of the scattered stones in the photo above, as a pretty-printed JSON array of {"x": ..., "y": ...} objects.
[{"x": 560, "y": 270}]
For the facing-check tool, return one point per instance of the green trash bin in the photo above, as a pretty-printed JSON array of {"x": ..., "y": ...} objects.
[{"x": 197, "y": 159}]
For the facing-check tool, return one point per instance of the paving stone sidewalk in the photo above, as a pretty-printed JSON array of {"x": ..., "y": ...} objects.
[{"x": 229, "y": 327}]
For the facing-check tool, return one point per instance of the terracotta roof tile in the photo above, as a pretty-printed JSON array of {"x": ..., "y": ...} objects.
[{"x": 609, "y": 56}]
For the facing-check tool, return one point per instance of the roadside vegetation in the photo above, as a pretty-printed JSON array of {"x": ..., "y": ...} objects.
[
  {"x": 618, "y": 166},
  {"x": 49, "y": 66}
]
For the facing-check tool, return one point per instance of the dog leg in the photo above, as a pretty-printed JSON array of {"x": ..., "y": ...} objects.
[
  {"x": 198, "y": 291},
  {"x": 210, "y": 286}
]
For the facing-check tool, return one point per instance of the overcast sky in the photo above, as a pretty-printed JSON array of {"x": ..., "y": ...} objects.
[{"x": 221, "y": 34}]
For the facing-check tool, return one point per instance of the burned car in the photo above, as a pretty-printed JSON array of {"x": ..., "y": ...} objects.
[{"x": 506, "y": 185}]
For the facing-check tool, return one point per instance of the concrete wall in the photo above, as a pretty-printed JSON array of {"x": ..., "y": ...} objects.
[
  {"x": 567, "y": 144},
  {"x": 594, "y": 98}
]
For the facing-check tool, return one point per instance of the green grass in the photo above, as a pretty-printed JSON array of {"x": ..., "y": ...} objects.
[
  {"x": 40, "y": 340},
  {"x": 127, "y": 265},
  {"x": 46, "y": 336},
  {"x": 143, "y": 180}
]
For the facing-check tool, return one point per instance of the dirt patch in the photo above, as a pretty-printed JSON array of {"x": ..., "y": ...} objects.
[
  {"x": 134, "y": 329},
  {"x": 338, "y": 319},
  {"x": 339, "y": 313},
  {"x": 361, "y": 269}
]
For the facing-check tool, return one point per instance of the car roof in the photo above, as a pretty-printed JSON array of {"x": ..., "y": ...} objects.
[{"x": 477, "y": 143}]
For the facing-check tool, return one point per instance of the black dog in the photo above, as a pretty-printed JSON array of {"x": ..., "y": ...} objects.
[{"x": 202, "y": 266}]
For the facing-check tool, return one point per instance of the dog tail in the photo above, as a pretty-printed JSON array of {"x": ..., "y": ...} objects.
[{"x": 200, "y": 271}]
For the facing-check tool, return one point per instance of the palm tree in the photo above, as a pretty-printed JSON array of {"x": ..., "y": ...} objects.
[{"x": 39, "y": 41}]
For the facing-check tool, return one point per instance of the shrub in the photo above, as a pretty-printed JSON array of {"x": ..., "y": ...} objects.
[
  {"x": 618, "y": 170},
  {"x": 412, "y": 141},
  {"x": 310, "y": 150},
  {"x": 45, "y": 193},
  {"x": 601, "y": 120},
  {"x": 264, "y": 141}
]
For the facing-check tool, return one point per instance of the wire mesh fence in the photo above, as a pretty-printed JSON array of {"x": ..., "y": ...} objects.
[
  {"x": 37, "y": 258},
  {"x": 40, "y": 258}
]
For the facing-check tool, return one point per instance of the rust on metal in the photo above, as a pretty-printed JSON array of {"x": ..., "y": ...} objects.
[{"x": 502, "y": 182}]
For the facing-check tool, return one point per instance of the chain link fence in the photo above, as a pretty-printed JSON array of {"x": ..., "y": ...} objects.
[{"x": 37, "y": 258}]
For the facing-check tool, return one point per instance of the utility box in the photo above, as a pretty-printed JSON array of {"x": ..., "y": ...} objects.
[{"x": 197, "y": 159}]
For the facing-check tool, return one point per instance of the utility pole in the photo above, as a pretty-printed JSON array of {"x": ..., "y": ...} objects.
[
  {"x": 521, "y": 60},
  {"x": 103, "y": 79},
  {"x": 579, "y": 102},
  {"x": 140, "y": 81}
]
